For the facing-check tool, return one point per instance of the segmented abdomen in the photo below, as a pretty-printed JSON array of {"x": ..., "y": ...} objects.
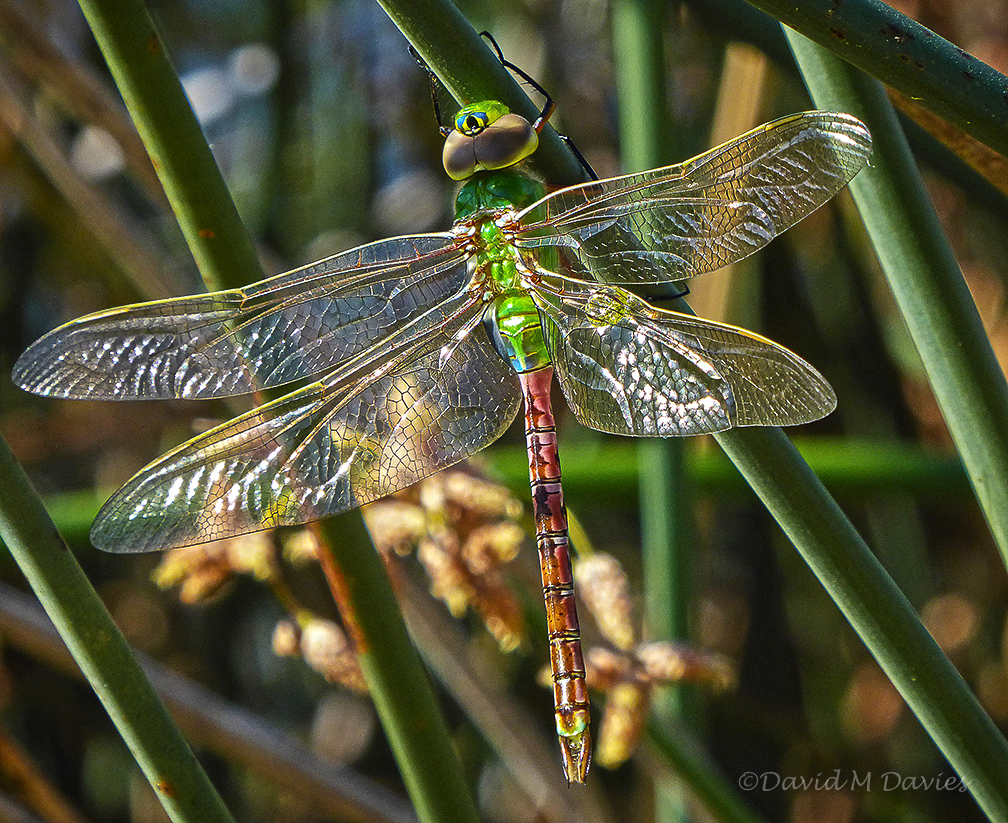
[{"x": 569, "y": 690}]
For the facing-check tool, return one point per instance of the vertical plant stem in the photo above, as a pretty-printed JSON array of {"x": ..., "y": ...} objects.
[
  {"x": 637, "y": 49},
  {"x": 226, "y": 257},
  {"x": 102, "y": 652},
  {"x": 182, "y": 159},
  {"x": 877, "y": 610},
  {"x": 395, "y": 676},
  {"x": 640, "y": 75},
  {"x": 640, "y": 82},
  {"x": 925, "y": 280}
]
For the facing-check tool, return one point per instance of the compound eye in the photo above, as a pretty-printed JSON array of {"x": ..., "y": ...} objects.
[
  {"x": 472, "y": 119},
  {"x": 472, "y": 123},
  {"x": 486, "y": 137}
]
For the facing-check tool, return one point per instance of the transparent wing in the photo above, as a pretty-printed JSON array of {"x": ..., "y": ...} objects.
[
  {"x": 279, "y": 330},
  {"x": 325, "y": 448},
  {"x": 678, "y": 221},
  {"x": 628, "y": 368}
]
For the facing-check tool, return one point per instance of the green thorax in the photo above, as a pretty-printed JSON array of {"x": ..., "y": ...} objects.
[
  {"x": 518, "y": 336},
  {"x": 496, "y": 190}
]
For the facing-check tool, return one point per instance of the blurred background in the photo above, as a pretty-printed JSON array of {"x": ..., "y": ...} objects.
[{"x": 322, "y": 124}]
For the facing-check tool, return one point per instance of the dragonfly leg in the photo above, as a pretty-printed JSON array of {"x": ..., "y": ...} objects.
[
  {"x": 434, "y": 83},
  {"x": 549, "y": 105},
  {"x": 570, "y": 692},
  {"x": 577, "y": 153}
]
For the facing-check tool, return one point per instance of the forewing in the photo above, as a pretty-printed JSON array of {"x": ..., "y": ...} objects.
[
  {"x": 287, "y": 328},
  {"x": 678, "y": 221},
  {"x": 628, "y": 368},
  {"x": 323, "y": 449}
]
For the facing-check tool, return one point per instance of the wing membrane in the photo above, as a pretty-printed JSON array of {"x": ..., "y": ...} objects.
[
  {"x": 287, "y": 328},
  {"x": 628, "y": 368},
  {"x": 678, "y": 221},
  {"x": 325, "y": 448}
]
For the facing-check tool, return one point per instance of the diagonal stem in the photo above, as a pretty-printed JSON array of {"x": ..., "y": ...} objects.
[
  {"x": 226, "y": 258},
  {"x": 102, "y": 652},
  {"x": 902, "y": 53},
  {"x": 877, "y": 610},
  {"x": 925, "y": 280}
]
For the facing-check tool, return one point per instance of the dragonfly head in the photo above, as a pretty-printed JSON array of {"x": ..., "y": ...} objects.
[{"x": 487, "y": 136}]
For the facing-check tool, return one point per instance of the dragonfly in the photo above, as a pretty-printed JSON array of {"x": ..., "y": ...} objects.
[{"x": 412, "y": 353}]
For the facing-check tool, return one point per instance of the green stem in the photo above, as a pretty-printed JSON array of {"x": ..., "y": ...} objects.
[
  {"x": 639, "y": 72},
  {"x": 102, "y": 652},
  {"x": 692, "y": 764},
  {"x": 877, "y": 610},
  {"x": 926, "y": 281},
  {"x": 640, "y": 84},
  {"x": 395, "y": 676},
  {"x": 471, "y": 72},
  {"x": 907, "y": 56},
  {"x": 849, "y": 469},
  {"x": 182, "y": 159},
  {"x": 224, "y": 252}
]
